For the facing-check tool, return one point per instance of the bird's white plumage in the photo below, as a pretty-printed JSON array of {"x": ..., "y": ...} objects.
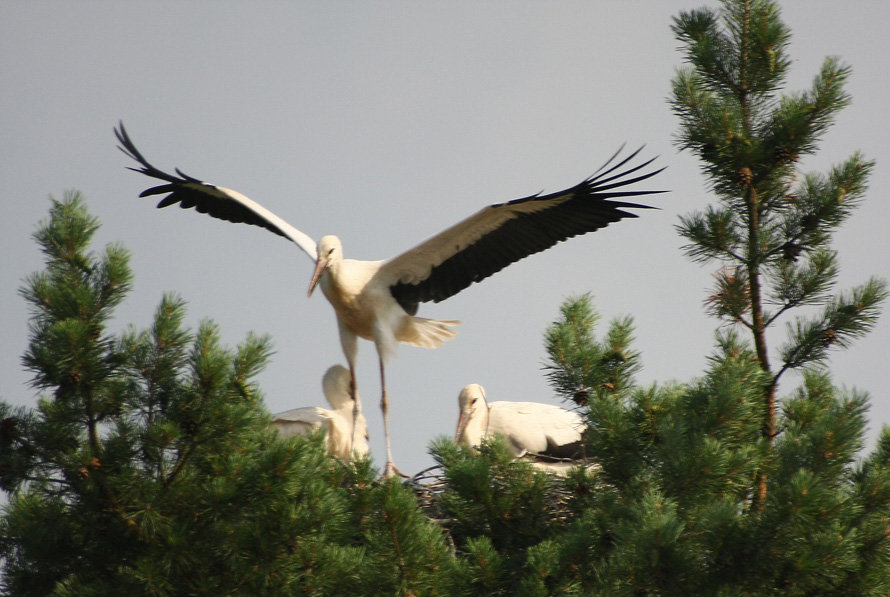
[
  {"x": 300, "y": 239},
  {"x": 377, "y": 300},
  {"x": 337, "y": 423},
  {"x": 528, "y": 427},
  {"x": 366, "y": 308}
]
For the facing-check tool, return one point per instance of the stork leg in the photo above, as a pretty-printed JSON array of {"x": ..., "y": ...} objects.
[
  {"x": 353, "y": 393},
  {"x": 350, "y": 349},
  {"x": 390, "y": 469}
]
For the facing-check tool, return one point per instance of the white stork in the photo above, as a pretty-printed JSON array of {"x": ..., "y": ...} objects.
[
  {"x": 543, "y": 432},
  {"x": 378, "y": 300},
  {"x": 337, "y": 423}
]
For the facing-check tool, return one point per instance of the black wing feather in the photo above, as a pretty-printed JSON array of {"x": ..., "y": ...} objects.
[
  {"x": 573, "y": 451},
  {"x": 189, "y": 192},
  {"x": 585, "y": 208}
]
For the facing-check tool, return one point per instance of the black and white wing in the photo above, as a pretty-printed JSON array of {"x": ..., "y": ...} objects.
[
  {"x": 504, "y": 233},
  {"x": 541, "y": 429},
  {"x": 212, "y": 200}
]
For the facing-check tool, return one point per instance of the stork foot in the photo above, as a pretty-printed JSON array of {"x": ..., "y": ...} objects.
[{"x": 391, "y": 471}]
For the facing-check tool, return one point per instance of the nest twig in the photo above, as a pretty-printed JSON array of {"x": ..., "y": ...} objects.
[{"x": 428, "y": 485}]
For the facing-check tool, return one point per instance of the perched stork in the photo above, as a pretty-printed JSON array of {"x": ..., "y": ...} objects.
[
  {"x": 347, "y": 434},
  {"x": 378, "y": 300},
  {"x": 543, "y": 432}
]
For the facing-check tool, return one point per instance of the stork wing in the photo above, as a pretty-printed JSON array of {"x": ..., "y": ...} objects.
[
  {"x": 303, "y": 420},
  {"x": 504, "y": 233},
  {"x": 215, "y": 201},
  {"x": 543, "y": 429},
  {"x": 563, "y": 426}
]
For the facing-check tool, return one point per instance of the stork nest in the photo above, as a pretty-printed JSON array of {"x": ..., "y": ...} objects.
[{"x": 430, "y": 484}]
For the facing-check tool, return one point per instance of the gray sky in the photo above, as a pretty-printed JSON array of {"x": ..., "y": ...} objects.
[{"x": 384, "y": 123}]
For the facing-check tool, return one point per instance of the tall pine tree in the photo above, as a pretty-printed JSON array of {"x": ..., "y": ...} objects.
[
  {"x": 772, "y": 227},
  {"x": 718, "y": 486}
]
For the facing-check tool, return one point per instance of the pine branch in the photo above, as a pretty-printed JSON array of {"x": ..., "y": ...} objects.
[
  {"x": 580, "y": 366},
  {"x": 797, "y": 286},
  {"x": 713, "y": 234},
  {"x": 845, "y": 318}
]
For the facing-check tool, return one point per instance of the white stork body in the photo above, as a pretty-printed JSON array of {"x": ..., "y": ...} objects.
[
  {"x": 337, "y": 423},
  {"x": 359, "y": 293},
  {"x": 378, "y": 300},
  {"x": 530, "y": 429}
]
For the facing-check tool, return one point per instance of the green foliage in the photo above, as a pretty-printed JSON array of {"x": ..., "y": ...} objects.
[
  {"x": 673, "y": 508},
  {"x": 772, "y": 227},
  {"x": 149, "y": 467},
  {"x": 578, "y": 364},
  {"x": 501, "y": 513},
  {"x": 494, "y": 496},
  {"x": 407, "y": 554},
  {"x": 718, "y": 486}
]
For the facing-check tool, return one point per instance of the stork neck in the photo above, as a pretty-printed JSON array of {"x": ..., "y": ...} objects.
[
  {"x": 327, "y": 284},
  {"x": 477, "y": 427},
  {"x": 347, "y": 410}
]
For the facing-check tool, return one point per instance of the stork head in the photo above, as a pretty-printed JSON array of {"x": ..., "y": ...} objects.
[
  {"x": 473, "y": 415},
  {"x": 335, "y": 384},
  {"x": 330, "y": 253}
]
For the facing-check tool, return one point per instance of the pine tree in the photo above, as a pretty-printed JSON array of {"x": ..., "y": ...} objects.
[
  {"x": 673, "y": 508},
  {"x": 717, "y": 486},
  {"x": 772, "y": 227},
  {"x": 149, "y": 467}
]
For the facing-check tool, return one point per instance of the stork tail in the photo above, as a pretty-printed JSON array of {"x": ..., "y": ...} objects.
[{"x": 428, "y": 333}]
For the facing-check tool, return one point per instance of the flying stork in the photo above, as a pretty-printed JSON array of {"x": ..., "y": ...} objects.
[{"x": 378, "y": 300}]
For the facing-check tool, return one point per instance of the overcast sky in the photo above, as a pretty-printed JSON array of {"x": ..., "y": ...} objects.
[{"x": 384, "y": 123}]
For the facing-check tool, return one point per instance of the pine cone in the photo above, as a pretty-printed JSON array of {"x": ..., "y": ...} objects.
[
  {"x": 580, "y": 397},
  {"x": 809, "y": 222},
  {"x": 829, "y": 337},
  {"x": 8, "y": 427},
  {"x": 783, "y": 155},
  {"x": 791, "y": 251},
  {"x": 190, "y": 427}
]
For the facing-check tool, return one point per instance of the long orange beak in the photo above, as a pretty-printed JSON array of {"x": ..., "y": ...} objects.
[
  {"x": 321, "y": 266},
  {"x": 460, "y": 427}
]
